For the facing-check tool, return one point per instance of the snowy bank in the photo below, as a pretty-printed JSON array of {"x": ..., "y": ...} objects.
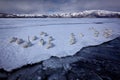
[
  {"x": 91, "y": 63},
  {"x": 13, "y": 55}
]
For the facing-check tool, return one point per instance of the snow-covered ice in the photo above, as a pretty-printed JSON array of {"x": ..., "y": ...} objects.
[{"x": 13, "y": 55}]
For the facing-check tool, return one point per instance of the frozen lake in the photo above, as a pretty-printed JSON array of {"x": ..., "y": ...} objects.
[{"x": 13, "y": 55}]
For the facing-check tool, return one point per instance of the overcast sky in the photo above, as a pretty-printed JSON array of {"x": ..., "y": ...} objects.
[{"x": 50, "y": 6}]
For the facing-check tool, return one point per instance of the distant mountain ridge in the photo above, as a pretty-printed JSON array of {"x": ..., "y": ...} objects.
[{"x": 82, "y": 14}]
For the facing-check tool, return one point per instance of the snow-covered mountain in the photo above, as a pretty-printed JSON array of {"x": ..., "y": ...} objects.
[
  {"x": 88, "y": 13},
  {"x": 82, "y": 14}
]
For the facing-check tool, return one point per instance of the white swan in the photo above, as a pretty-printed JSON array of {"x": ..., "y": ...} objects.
[
  {"x": 27, "y": 44},
  {"x": 107, "y": 33},
  {"x": 42, "y": 33},
  {"x": 45, "y": 34},
  {"x": 49, "y": 45},
  {"x": 19, "y": 41},
  {"x": 13, "y": 39},
  {"x": 81, "y": 35},
  {"x": 34, "y": 38},
  {"x": 41, "y": 42},
  {"x": 96, "y": 33},
  {"x": 72, "y": 39},
  {"x": 51, "y": 38}
]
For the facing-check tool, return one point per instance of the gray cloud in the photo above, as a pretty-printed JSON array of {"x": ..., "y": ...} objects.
[{"x": 50, "y": 6}]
